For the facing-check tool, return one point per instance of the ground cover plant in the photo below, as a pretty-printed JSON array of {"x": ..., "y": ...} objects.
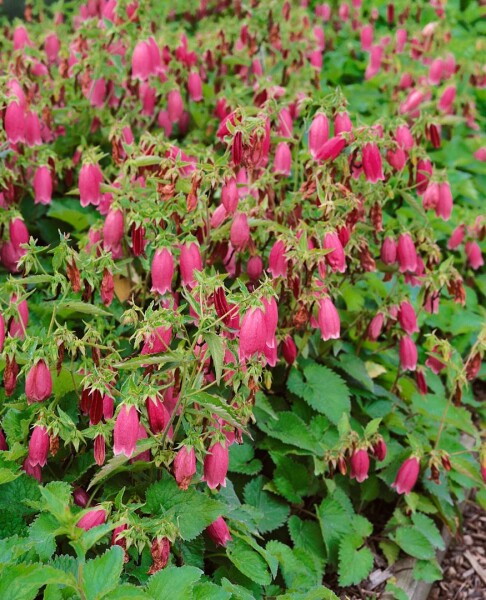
[{"x": 242, "y": 294}]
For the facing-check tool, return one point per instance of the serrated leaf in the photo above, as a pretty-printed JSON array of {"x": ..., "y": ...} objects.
[
  {"x": 354, "y": 367},
  {"x": 274, "y": 510},
  {"x": 206, "y": 590},
  {"x": 173, "y": 583},
  {"x": 216, "y": 350},
  {"x": 77, "y": 306},
  {"x": 290, "y": 478},
  {"x": 322, "y": 389},
  {"x": 396, "y": 591},
  {"x": 7, "y": 475},
  {"x": 372, "y": 427},
  {"x": 335, "y": 523},
  {"x": 127, "y": 592},
  {"x": 414, "y": 543},
  {"x": 355, "y": 563},
  {"x": 242, "y": 459},
  {"x": 300, "y": 569},
  {"x": 291, "y": 429},
  {"x": 390, "y": 550},
  {"x": 56, "y": 497},
  {"x": 248, "y": 561},
  {"x": 101, "y": 575},
  {"x": 42, "y": 534},
  {"x": 23, "y": 581},
  {"x": 307, "y": 535},
  {"x": 427, "y": 570},
  {"x": 427, "y": 526},
  {"x": 190, "y": 510}
]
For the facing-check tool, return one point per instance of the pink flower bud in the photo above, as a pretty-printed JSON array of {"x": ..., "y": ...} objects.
[
  {"x": 424, "y": 172},
  {"x": 407, "y": 476},
  {"x": 162, "y": 271},
  {"x": 457, "y": 237},
  {"x": 117, "y": 539},
  {"x": 408, "y": 354},
  {"x": 480, "y": 154},
  {"x": 99, "y": 450},
  {"x": 158, "y": 416},
  {"x": 401, "y": 39},
  {"x": 360, "y": 464},
  {"x": 397, "y": 158},
  {"x": 406, "y": 254},
  {"x": 389, "y": 251},
  {"x": 372, "y": 164},
  {"x": 80, "y": 497},
  {"x": 447, "y": 99},
  {"x": 216, "y": 466},
  {"x": 229, "y": 195},
  {"x": 113, "y": 231},
  {"x": 366, "y": 37},
  {"x": 92, "y": 518},
  {"x": 443, "y": 208},
  {"x": 342, "y": 123},
  {"x": 318, "y": 133},
  {"x": 38, "y": 446},
  {"x": 404, "y": 137},
  {"x": 435, "y": 71},
  {"x": 43, "y": 185},
  {"x": 240, "y": 231},
  {"x": 328, "y": 319},
  {"x": 185, "y": 466},
  {"x": 430, "y": 198},
  {"x": 14, "y": 122},
  {"x": 125, "y": 433},
  {"x": 253, "y": 333},
  {"x": 474, "y": 255},
  {"x": 52, "y": 45},
  {"x": 194, "y": 85},
  {"x": 331, "y": 149},
  {"x": 38, "y": 383},
  {"x": 254, "y": 268},
  {"x": 219, "y": 532},
  {"x": 375, "y": 327},
  {"x": 142, "y": 61},
  {"x": 90, "y": 179},
  {"x": 190, "y": 261},
  {"x": 18, "y": 233},
  {"x": 407, "y": 318},
  {"x": 218, "y": 216},
  {"x": 158, "y": 341},
  {"x": 277, "y": 262},
  {"x": 289, "y": 350},
  {"x": 283, "y": 159},
  {"x": 335, "y": 259},
  {"x": 175, "y": 105},
  {"x": 379, "y": 450}
]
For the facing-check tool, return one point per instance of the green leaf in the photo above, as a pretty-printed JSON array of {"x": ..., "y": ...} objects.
[
  {"x": 414, "y": 543},
  {"x": 355, "y": 564},
  {"x": 274, "y": 511},
  {"x": 42, "y": 534},
  {"x": 190, "y": 510},
  {"x": 291, "y": 478},
  {"x": 427, "y": 526},
  {"x": 396, "y": 591},
  {"x": 354, "y": 367},
  {"x": 127, "y": 592},
  {"x": 242, "y": 459},
  {"x": 216, "y": 349},
  {"x": 67, "y": 307},
  {"x": 307, "y": 535},
  {"x": 101, "y": 575},
  {"x": 23, "y": 581},
  {"x": 248, "y": 561},
  {"x": 208, "y": 590},
  {"x": 6, "y": 475},
  {"x": 427, "y": 570},
  {"x": 173, "y": 583},
  {"x": 322, "y": 389},
  {"x": 300, "y": 569},
  {"x": 335, "y": 522},
  {"x": 291, "y": 429},
  {"x": 390, "y": 550},
  {"x": 70, "y": 211},
  {"x": 56, "y": 497}
]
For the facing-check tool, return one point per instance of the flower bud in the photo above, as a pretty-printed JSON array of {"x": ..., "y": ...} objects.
[
  {"x": 424, "y": 172},
  {"x": 184, "y": 466},
  {"x": 43, "y": 186},
  {"x": 92, "y": 518},
  {"x": 342, "y": 123},
  {"x": 277, "y": 262},
  {"x": 219, "y": 532},
  {"x": 372, "y": 164},
  {"x": 389, "y": 251},
  {"x": 10, "y": 375},
  {"x": 375, "y": 327},
  {"x": 229, "y": 195},
  {"x": 254, "y": 268},
  {"x": 125, "y": 433},
  {"x": 194, "y": 85},
  {"x": 253, "y": 333},
  {"x": 216, "y": 466},
  {"x": 240, "y": 231},
  {"x": 289, "y": 350},
  {"x": 38, "y": 383},
  {"x": 407, "y": 476},
  {"x": 434, "y": 364},
  {"x": 335, "y": 259},
  {"x": 158, "y": 416},
  {"x": 175, "y": 105},
  {"x": 38, "y": 446},
  {"x": 80, "y": 497},
  {"x": 443, "y": 208},
  {"x": 283, "y": 159},
  {"x": 474, "y": 255},
  {"x": 379, "y": 449},
  {"x": 360, "y": 464},
  {"x": 142, "y": 61},
  {"x": 407, "y": 318},
  {"x": 408, "y": 354},
  {"x": 318, "y": 134},
  {"x": 160, "y": 551},
  {"x": 328, "y": 319},
  {"x": 14, "y": 122},
  {"x": 162, "y": 271},
  {"x": 113, "y": 231},
  {"x": 457, "y": 237},
  {"x": 99, "y": 450}
]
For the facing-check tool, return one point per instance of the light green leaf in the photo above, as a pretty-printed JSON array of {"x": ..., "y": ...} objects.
[
  {"x": 414, "y": 543},
  {"x": 173, "y": 583},
  {"x": 427, "y": 526},
  {"x": 216, "y": 349},
  {"x": 274, "y": 510},
  {"x": 427, "y": 570},
  {"x": 248, "y": 561},
  {"x": 101, "y": 575},
  {"x": 355, "y": 564}
]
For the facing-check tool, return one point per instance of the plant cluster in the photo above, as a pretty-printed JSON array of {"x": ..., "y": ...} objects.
[{"x": 242, "y": 297}]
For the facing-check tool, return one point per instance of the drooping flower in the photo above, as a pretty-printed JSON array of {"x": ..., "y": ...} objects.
[
  {"x": 158, "y": 416},
  {"x": 194, "y": 86},
  {"x": 360, "y": 464},
  {"x": 43, "y": 185},
  {"x": 407, "y": 254},
  {"x": 219, "y": 532},
  {"x": 375, "y": 326},
  {"x": 407, "y": 318},
  {"x": 185, "y": 466},
  {"x": 335, "y": 259},
  {"x": 283, "y": 159},
  {"x": 38, "y": 446},
  {"x": 162, "y": 271},
  {"x": 328, "y": 319},
  {"x": 474, "y": 255},
  {"x": 113, "y": 231},
  {"x": 92, "y": 518},
  {"x": 408, "y": 353},
  {"x": 125, "y": 433},
  {"x": 379, "y": 449},
  {"x": 289, "y": 350},
  {"x": 190, "y": 261},
  {"x": 240, "y": 231},
  {"x": 38, "y": 383},
  {"x": 277, "y": 261},
  {"x": 407, "y": 476},
  {"x": 318, "y": 134},
  {"x": 216, "y": 465},
  {"x": 372, "y": 164},
  {"x": 160, "y": 551},
  {"x": 253, "y": 333},
  {"x": 389, "y": 251}
]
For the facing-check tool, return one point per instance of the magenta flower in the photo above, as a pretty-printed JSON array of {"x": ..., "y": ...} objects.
[
  {"x": 318, "y": 134},
  {"x": 125, "y": 433},
  {"x": 185, "y": 466},
  {"x": 372, "y": 164},
  {"x": 360, "y": 464},
  {"x": 277, "y": 262},
  {"x": 408, "y": 354},
  {"x": 158, "y": 416},
  {"x": 474, "y": 255},
  {"x": 407, "y": 318},
  {"x": 335, "y": 259},
  {"x": 90, "y": 179},
  {"x": 283, "y": 159},
  {"x": 190, "y": 261},
  {"x": 407, "y": 476},
  {"x": 194, "y": 86},
  {"x": 389, "y": 251},
  {"x": 38, "y": 383},
  {"x": 162, "y": 271},
  {"x": 38, "y": 446},
  {"x": 92, "y": 518},
  {"x": 375, "y": 327},
  {"x": 328, "y": 319},
  {"x": 43, "y": 185},
  {"x": 219, "y": 532},
  {"x": 216, "y": 466},
  {"x": 406, "y": 254},
  {"x": 240, "y": 231},
  {"x": 253, "y": 333}
]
